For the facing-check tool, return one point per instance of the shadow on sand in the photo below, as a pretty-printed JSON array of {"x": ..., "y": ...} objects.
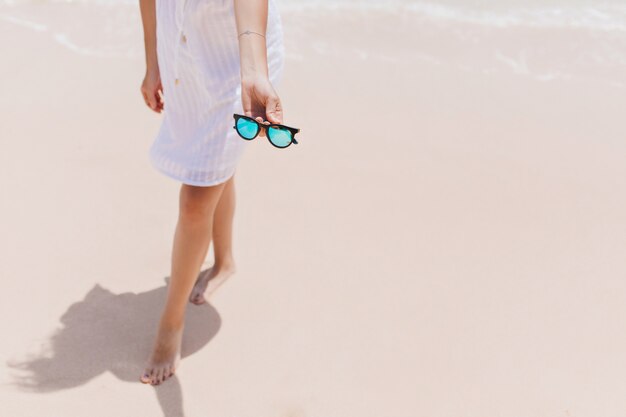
[{"x": 107, "y": 332}]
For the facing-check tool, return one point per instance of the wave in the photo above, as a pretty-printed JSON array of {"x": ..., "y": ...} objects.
[{"x": 593, "y": 15}]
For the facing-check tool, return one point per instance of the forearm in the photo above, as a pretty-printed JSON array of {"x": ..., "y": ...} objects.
[
  {"x": 252, "y": 15},
  {"x": 148, "y": 19}
]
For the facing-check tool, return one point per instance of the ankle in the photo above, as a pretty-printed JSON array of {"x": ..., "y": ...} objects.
[{"x": 225, "y": 264}]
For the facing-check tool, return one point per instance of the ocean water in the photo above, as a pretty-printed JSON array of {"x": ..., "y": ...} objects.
[
  {"x": 592, "y": 14},
  {"x": 495, "y": 35},
  {"x": 603, "y": 15}
]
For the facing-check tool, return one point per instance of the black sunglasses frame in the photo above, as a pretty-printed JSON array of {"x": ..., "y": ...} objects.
[{"x": 293, "y": 130}]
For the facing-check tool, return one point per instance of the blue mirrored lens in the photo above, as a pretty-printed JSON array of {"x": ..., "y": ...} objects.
[
  {"x": 247, "y": 128},
  {"x": 279, "y": 136}
]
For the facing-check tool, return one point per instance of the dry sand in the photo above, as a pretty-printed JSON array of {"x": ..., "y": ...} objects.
[{"x": 447, "y": 239}]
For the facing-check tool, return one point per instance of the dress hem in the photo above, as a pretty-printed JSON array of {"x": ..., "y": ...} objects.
[{"x": 186, "y": 181}]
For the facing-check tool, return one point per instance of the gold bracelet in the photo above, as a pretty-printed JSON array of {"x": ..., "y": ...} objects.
[{"x": 247, "y": 32}]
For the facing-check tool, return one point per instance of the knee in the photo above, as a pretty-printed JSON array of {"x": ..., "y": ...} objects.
[{"x": 194, "y": 207}]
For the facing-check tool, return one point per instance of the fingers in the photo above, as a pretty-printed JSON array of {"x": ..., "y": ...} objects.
[
  {"x": 260, "y": 120},
  {"x": 273, "y": 112},
  {"x": 153, "y": 100},
  {"x": 247, "y": 105},
  {"x": 160, "y": 101},
  {"x": 259, "y": 100},
  {"x": 274, "y": 109}
]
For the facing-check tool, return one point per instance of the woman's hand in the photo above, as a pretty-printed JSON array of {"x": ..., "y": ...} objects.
[
  {"x": 152, "y": 90},
  {"x": 260, "y": 100}
]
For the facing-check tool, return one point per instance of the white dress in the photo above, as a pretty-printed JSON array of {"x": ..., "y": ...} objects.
[{"x": 197, "y": 44}]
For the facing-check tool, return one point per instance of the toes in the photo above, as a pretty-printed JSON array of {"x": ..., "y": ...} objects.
[
  {"x": 162, "y": 375},
  {"x": 168, "y": 373},
  {"x": 198, "y": 299},
  {"x": 156, "y": 377},
  {"x": 146, "y": 377}
]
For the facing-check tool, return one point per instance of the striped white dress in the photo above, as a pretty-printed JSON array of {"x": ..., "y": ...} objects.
[{"x": 197, "y": 44}]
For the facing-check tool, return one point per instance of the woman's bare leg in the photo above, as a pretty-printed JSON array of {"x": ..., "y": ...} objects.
[
  {"x": 208, "y": 281},
  {"x": 192, "y": 238},
  {"x": 223, "y": 227}
]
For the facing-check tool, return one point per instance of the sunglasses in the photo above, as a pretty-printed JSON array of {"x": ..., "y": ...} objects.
[{"x": 279, "y": 135}]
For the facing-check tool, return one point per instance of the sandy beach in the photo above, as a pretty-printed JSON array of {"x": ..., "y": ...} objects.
[{"x": 446, "y": 240}]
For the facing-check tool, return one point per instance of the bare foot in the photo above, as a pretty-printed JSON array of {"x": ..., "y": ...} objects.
[
  {"x": 208, "y": 281},
  {"x": 165, "y": 356}
]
